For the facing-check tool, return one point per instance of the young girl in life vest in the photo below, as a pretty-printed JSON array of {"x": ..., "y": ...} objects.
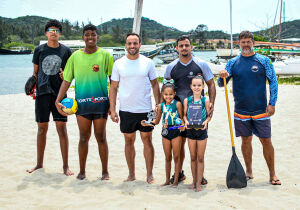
[
  {"x": 196, "y": 108},
  {"x": 171, "y": 112}
]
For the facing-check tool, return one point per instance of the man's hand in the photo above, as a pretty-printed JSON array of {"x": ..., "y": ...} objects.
[
  {"x": 270, "y": 110},
  {"x": 211, "y": 110},
  {"x": 59, "y": 107},
  {"x": 223, "y": 74},
  {"x": 61, "y": 74},
  {"x": 114, "y": 116},
  {"x": 33, "y": 94}
]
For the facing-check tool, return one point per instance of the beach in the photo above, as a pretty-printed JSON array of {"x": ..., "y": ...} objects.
[{"x": 48, "y": 188}]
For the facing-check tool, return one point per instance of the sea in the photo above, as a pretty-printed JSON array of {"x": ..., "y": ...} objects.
[{"x": 16, "y": 69}]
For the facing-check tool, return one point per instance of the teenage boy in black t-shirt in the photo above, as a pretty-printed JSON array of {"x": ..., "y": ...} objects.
[{"x": 49, "y": 60}]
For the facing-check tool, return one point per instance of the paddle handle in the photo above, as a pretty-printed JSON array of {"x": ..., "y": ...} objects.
[{"x": 228, "y": 112}]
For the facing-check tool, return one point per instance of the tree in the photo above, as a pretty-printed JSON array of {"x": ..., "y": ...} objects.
[
  {"x": 200, "y": 33},
  {"x": 118, "y": 34}
]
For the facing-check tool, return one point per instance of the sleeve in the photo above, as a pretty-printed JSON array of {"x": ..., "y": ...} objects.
[
  {"x": 69, "y": 70},
  {"x": 115, "y": 76},
  {"x": 152, "y": 72},
  {"x": 167, "y": 74},
  {"x": 110, "y": 63},
  {"x": 66, "y": 57},
  {"x": 228, "y": 68},
  {"x": 36, "y": 56},
  {"x": 271, "y": 76},
  {"x": 207, "y": 73}
]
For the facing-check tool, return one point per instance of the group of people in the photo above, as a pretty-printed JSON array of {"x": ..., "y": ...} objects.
[{"x": 131, "y": 78}]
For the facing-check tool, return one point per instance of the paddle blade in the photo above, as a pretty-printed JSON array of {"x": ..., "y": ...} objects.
[{"x": 236, "y": 177}]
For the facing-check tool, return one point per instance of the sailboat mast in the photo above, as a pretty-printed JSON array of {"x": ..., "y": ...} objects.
[
  {"x": 231, "y": 41},
  {"x": 280, "y": 23},
  {"x": 137, "y": 16}
]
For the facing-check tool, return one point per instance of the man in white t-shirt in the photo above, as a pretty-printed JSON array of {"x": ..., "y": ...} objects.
[{"x": 134, "y": 74}]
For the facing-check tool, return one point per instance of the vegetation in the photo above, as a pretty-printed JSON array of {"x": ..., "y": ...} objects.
[
  {"x": 289, "y": 80},
  {"x": 30, "y": 30}
]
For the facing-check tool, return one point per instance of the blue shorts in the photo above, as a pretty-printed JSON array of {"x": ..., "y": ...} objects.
[{"x": 261, "y": 127}]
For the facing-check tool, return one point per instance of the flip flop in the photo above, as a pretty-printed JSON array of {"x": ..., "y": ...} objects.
[
  {"x": 249, "y": 178},
  {"x": 275, "y": 182},
  {"x": 204, "y": 181}
]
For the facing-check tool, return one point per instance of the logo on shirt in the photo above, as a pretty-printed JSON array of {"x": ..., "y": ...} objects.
[
  {"x": 191, "y": 75},
  {"x": 93, "y": 100},
  {"x": 96, "y": 68},
  {"x": 254, "y": 68},
  {"x": 51, "y": 64}
]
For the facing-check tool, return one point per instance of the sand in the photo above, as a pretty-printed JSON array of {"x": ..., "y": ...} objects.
[{"x": 48, "y": 188}]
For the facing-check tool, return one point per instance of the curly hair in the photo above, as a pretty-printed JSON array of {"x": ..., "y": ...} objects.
[{"x": 53, "y": 23}]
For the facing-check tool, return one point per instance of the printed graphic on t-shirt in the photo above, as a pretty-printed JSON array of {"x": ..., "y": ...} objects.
[
  {"x": 51, "y": 64},
  {"x": 95, "y": 68}
]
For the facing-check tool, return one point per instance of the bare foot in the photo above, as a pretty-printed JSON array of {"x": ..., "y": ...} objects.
[
  {"x": 193, "y": 186},
  {"x": 105, "y": 176},
  {"x": 33, "y": 169},
  {"x": 249, "y": 176},
  {"x": 68, "y": 172},
  {"x": 130, "y": 178},
  {"x": 150, "y": 179},
  {"x": 198, "y": 188},
  {"x": 175, "y": 184},
  {"x": 81, "y": 176},
  {"x": 166, "y": 183}
]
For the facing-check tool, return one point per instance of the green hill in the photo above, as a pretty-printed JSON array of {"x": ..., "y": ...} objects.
[
  {"x": 30, "y": 29},
  {"x": 149, "y": 28}
]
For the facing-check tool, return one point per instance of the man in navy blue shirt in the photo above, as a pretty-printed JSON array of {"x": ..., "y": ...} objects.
[{"x": 249, "y": 72}]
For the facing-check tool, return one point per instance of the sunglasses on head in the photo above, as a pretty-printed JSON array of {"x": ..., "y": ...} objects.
[{"x": 51, "y": 30}]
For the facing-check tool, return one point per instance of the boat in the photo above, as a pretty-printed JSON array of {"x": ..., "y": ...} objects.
[
  {"x": 169, "y": 53},
  {"x": 15, "y": 51},
  {"x": 227, "y": 53}
]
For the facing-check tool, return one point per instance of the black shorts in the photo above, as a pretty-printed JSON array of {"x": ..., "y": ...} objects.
[
  {"x": 172, "y": 134},
  {"x": 131, "y": 122},
  {"x": 196, "y": 134},
  {"x": 45, "y": 104},
  {"x": 183, "y": 134},
  {"x": 94, "y": 116}
]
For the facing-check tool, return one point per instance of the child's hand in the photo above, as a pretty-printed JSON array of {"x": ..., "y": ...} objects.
[
  {"x": 186, "y": 123},
  {"x": 204, "y": 124},
  {"x": 165, "y": 125},
  {"x": 182, "y": 128},
  {"x": 146, "y": 124}
]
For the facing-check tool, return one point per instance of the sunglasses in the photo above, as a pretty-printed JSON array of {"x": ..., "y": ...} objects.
[{"x": 51, "y": 30}]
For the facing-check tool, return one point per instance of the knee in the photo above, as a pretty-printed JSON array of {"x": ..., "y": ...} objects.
[
  {"x": 148, "y": 143},
  {"x": 266, "y": 141},
  {"x": 101, "y": 138},
  {"x": 193, "y": 158},
  {"x": 168, "y": 158},
  {"x": 200, "y": 159},
  {"x": 42, "y": 130},
  {"x": 176, "y": 158},
  {"x": 62, "y": 130},
  {"x": 84, "y": 138}
]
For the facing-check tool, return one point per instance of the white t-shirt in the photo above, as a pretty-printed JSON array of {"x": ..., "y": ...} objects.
[{"x": 134, "y": 83}]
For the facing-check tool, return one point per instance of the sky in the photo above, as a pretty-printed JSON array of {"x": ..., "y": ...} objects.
[{"x": 184, "y": 15}]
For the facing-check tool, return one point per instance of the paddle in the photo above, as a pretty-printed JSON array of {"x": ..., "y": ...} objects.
[{"x": 236, "y": 177}]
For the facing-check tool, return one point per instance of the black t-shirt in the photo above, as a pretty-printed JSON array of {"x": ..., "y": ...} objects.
[{"x": 50, "y": 60}]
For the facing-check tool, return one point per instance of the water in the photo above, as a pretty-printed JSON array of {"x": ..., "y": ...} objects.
[
  {"x": 14, "y": 72},
  {"x": 16, "y": 69}
]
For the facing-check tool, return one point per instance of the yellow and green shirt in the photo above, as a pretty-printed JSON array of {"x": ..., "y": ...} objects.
[{"x": 90, "y": 72}]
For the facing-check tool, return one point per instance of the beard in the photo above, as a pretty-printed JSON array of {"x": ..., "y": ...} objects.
[
  {"x": 185, "y": 54},
  {"x": 247, "y": 50},
  {"x": 130, "y": 52}
]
